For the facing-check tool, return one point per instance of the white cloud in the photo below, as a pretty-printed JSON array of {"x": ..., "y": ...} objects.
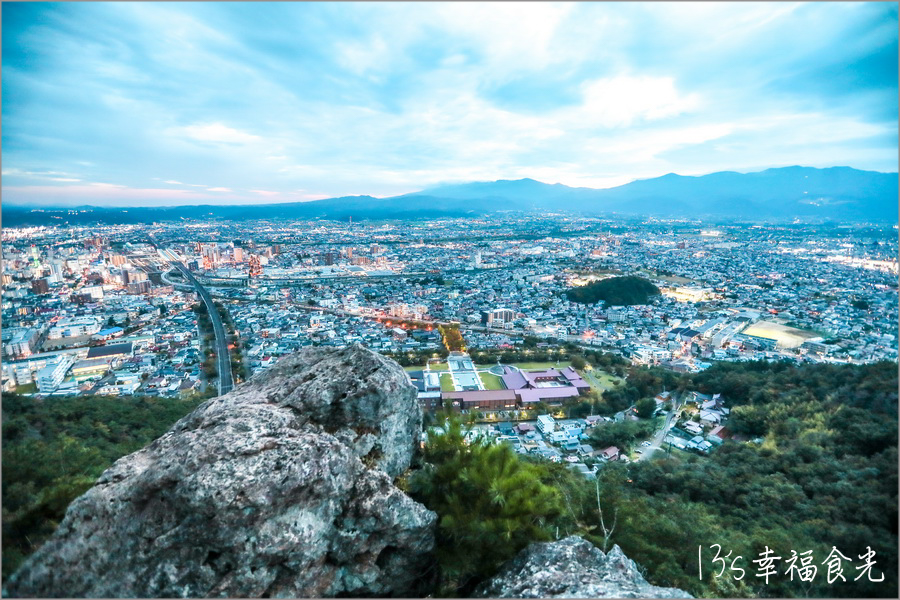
[
  {"x": 363, "y": 57},
  {"x": 219, "y": 133},
  {"x": 45, "y": 175},
  {"x": 515, "y": 35},
  {"x": 621, "y": 101},
  {"x": 218, "y": 189}
]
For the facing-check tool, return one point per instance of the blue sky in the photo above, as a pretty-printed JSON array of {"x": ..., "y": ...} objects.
[{"x": 187, "y": 103}]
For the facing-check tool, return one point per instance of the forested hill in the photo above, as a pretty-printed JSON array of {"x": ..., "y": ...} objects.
[
  {"x": 824, "y": 475},
  {"x": 614, "y": 291}
]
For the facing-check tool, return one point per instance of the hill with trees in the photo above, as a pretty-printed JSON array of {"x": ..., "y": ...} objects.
[
  {"x": 614, "y": 291},
  {"x": 55, "y": 448}
]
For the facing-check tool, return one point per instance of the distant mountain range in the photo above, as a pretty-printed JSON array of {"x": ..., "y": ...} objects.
[{"x": 837, "y": 193}]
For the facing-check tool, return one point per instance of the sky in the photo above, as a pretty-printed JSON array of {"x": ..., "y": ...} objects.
[{"x": 142, "y": 103}]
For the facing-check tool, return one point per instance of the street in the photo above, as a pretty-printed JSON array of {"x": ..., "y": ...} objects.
[{"x": 657, "y": 441}]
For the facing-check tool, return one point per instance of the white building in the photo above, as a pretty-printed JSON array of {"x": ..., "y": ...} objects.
[
  {"x": 73, "y": 327},
  {"x": 94, "y": 291},
  {"x": 21, "y": 341},
  {"x": 650, "y": 354},
  {"x": 546, "y": 424},
  {"x": 49, "y": 378}
]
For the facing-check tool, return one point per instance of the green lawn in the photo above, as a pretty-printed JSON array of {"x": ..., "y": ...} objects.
[
  {"x": 600, "y": 380},
  {"x": 27, "y": 388},
  {"x": 491, "y": 381},
  {"x": 434, "y": 367},
  {"x": 540, "y": 366},
  {"x": 447, "y": 383}
]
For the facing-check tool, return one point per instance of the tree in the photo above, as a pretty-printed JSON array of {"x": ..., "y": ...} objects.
[
  {"x": 607, "y": 531},
  {"x": 615, "y": 291},
  {"x": 645, "y": 407},
  {"x": 578, "y": 362},
  {"x": 490, "y": 504}
]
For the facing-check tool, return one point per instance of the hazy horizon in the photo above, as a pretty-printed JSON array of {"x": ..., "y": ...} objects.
[
  {"x": 112, "y": 203},
  {"x": 164, "y": 104}
]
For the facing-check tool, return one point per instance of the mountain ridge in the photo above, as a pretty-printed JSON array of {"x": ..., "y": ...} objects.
[{"x": 842, "y": 193}]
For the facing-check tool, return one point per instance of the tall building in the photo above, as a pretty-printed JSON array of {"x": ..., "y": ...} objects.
[
  {"x": 398, "y": 310},
  {"x": 255, "y": 266},
  {"x": 212, "y": 254},
  {"x": 56, "y": 269},
  {"x": 139, "y": 287},
  {"x": 40, "y": 286},
  {"x": 134, "y": 275},
  {"x": 497, "y": 317}
]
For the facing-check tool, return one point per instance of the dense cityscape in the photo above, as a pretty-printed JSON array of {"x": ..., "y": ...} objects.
[{"x": 101, "y": 310}]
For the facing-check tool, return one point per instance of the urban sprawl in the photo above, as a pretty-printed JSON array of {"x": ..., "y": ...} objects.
[{"x": 188, "y": 309}]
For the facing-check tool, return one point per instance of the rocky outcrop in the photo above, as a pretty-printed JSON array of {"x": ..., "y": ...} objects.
[
  {"x": 572, "y": 568},
  {"x": 283, "y": 487}
]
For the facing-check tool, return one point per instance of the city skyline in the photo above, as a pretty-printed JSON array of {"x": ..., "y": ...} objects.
[{"x": 225, "y": 103}]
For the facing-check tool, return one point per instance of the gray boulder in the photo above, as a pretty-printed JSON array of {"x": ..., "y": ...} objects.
[
  {"x": 572, "y": 568},
  {"x": 282, "y": 488}
]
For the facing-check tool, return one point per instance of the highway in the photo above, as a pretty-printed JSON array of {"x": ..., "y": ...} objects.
[{"x": 223, "y": 357}]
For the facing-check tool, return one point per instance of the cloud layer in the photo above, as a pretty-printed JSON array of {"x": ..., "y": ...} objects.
[{"x": 170, "y": 103}]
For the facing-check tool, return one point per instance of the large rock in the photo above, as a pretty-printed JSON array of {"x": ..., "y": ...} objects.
[
  {"x": 281, "y": 488},
  {"x": 572, "y": 568}
]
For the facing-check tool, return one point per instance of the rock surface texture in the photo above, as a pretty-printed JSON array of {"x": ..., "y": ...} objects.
[
  {"x": 283, "y": 487},
  {"x": 572, "y": 568}
]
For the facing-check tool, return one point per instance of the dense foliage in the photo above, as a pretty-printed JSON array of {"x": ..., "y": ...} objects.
[
  {"x": 614, "y": 291},
  {"x": 490, "y": 503},
  {"x": 824, "y": 475},
  {"x": 623, "y": 435},
  {"x": 55, "y": 448}
]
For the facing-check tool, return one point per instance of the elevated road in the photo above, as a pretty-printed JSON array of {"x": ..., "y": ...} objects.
[{"x": 223, "y": 357}]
